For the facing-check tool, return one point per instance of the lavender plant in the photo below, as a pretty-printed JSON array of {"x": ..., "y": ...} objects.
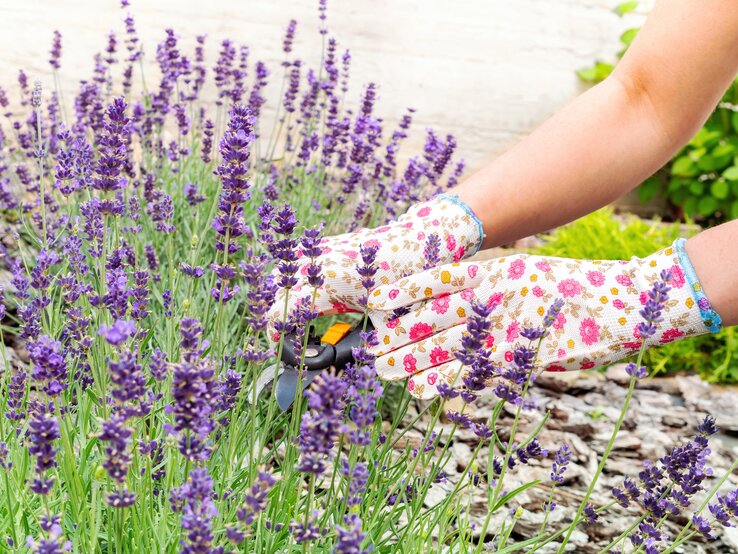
[{"x": 146, "y": 230}]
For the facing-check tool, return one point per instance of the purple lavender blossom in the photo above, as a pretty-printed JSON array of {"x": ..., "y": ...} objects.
[
  {"x": 56, "y": 50},
  {"x": 560, "y": 463},
  {"x": 350, "y": 536},
  {"x": 16, "y": 396},
  {"x": 651, "y": 312},
  {"x": 194, "y": 500},
  {"x": 112, "y": 149},
  {"x": 432, "y": 251},
  {"x": 235, "y": 151},
  {"x": 256, "y": 498},
  {"x": 117, "y": 440},
  {"x": 119, "y": 332},
  {"x": 321, "y": 424},
  {"x": 158, "y": 364},
  {"x": 49, "y": 365},
  {"x": 43, "y": 430},
  {"x": 634, "y": 371},
  {"x": 307, "y": 531},
  {"x": 194, "y": 395},
  {"x": 289, "y": 36}
]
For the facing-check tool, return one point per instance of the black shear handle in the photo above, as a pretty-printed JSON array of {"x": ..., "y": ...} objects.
[{"x": 321, "y": 355}]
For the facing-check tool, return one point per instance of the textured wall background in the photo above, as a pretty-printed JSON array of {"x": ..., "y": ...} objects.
[{"x": 486, "y": 70}]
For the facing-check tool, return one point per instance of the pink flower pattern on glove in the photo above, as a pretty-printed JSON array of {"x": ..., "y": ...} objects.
[
  {"x": 596, "y": 326},
  {"x": 400, "y": 252}
]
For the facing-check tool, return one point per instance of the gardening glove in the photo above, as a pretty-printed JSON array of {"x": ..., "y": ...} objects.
[
  {"x": 437, "y": 231},
  {"x": 597, "y": 325}
]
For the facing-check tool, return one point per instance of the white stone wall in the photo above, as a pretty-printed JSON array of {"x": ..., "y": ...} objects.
[{"x": 486, "y": 70}]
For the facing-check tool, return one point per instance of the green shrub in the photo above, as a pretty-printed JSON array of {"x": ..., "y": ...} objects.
[
  {"x": 606, "y": 236},
  {"x": 701, "y": 181}
]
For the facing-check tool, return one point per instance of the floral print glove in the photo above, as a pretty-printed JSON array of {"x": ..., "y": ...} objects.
[
  {"x": 437, "y": 231},
  {"x": 597, "y": 325}
]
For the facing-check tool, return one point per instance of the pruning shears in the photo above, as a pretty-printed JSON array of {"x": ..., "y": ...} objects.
[{"x": 334, "y": 349}]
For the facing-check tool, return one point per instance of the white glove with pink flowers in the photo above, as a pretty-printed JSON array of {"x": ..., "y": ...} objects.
[
  {"x": 437, "y": 231},
  {"x": 600, "y": 320}
]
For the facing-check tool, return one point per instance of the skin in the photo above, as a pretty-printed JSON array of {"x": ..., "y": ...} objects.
[{"x": 612, "y": 137}]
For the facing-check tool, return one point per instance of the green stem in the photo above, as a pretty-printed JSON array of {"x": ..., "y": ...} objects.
[{"x": 608, "y": 449}]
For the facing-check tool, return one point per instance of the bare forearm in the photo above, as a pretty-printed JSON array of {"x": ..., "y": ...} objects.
[
  {"x": 714, "y": 255},
  {"x": 616, "y": 134},
  {"x": 585, "y": 156}
]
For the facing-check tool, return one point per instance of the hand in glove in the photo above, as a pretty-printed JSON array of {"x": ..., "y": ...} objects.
[
  {"x": 597, "y": 324},
  {"x": 437, "y": 231}
]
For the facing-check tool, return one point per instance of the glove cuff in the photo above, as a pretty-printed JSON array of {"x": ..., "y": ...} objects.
[
  {"x": 467, "y": 209},
  {"x": 710, "y": 317}
]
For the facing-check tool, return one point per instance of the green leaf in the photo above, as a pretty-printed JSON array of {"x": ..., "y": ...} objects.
[
  {"x": 598, "y": 72},
  {"x": 684, "y": 167},
  {"x": 705, "y": 137},
  {"x": 724, "y": 149},
  {"x": 734, "y": 210},
  {"x": 648, "y": 189},
  {"x": 731, "y": 174},
  {"x": 706, "y": 163},
  {"x": 723, "y": 154},
  {"x": 588, "y": 74},
  {"x": 696, "y": 188},
  {"x": 707, "y": 206},
  {"x": 720, "y": 189},
  {"x": 628, "y": 36},
  {"x": 626, "y": 7},
  {"x": 734, "y": 121},
  {"x": 690, "y": 206},
  {"x": 502, "y": 501}
]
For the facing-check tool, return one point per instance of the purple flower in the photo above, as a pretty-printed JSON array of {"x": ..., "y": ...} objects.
[
  {"x": 129, "y": 383},
  {"x": 235, "y": 149},
  {"x": 364, "y": 390},
  {"x": 462, "y": 420},
  {"x": 194, "y": 501},
  {"x": 208, "y": 130},
  {"x": 307, "y": 531},
  {"x": 283, "y": 249},
  {"x": 590, "y": 513},
  {"x": 117, "y": 439},
  {"x": 322, "y": 423},
  {"x": 119, "y": 332},
  {"x": 638, "y": 372},
  {"x": 553, "y": 312},
  {"x": 532, "y": 450},
  {"x": 158, "y": 364},
  {"x": 703, "y": 527},
  {"x": 49, "y": 366},
  {"x": 16, "y": 396},
  {"x": 289, "y": 37},
  {"x": 656, "y": 299},
  {"x": 432, "y": 251},
  {"x": 256, "y": 498},
  {"x": 112, "y": 149},
  {"x": 560, "y": 463},
  {"x": 228, "y": 390},
  {"x": 43, "y": 430},
  {"x": 350, "y": 536},
  {"x": 194, "y": 395},
  {"x": 56, "y": 50}
]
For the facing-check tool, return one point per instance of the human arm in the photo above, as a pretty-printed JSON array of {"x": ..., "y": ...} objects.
[{"x": 616, "y": 134}]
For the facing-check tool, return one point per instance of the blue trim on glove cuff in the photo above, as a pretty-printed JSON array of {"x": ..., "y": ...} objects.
[
  {"x": 461, "y": 204},
  {"x": 710, "y": 317}
]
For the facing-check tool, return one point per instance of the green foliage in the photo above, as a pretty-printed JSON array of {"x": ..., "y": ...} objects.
[
  {"x": 603, "y": 235},
  {"x": 701, "y": 181},
  {"x": 606, "y": 236}
]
